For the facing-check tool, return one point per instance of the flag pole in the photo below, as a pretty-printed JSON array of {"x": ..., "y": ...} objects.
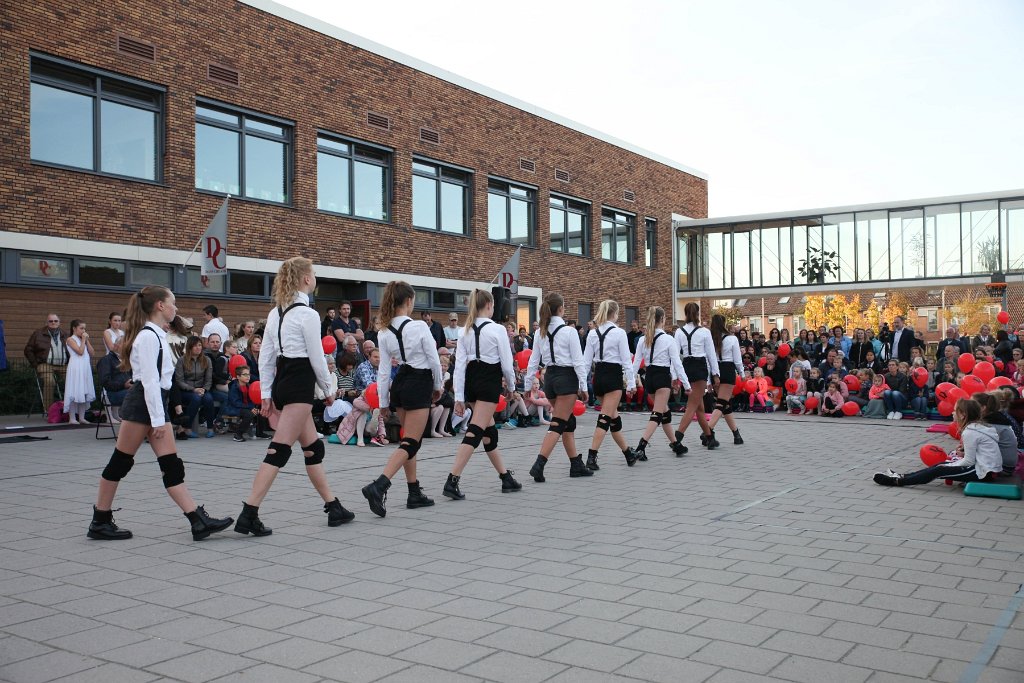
[{"x": 227, "y": 199}]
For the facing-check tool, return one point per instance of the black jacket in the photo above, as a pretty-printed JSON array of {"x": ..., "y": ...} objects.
[{"x": 111, "y": 376}]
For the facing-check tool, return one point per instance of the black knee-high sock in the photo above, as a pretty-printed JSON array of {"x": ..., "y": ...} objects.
[
  {"x": 591, "y": 453},
  {"x": 642, "y": 445}
]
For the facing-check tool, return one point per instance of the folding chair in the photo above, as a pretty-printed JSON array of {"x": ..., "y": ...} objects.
[
  {"x": 58, "y": 393},
  {"x": 110, "y": 418}
]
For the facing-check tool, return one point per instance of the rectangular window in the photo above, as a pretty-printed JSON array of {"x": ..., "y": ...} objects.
[
  {"x": 1012, "y": 245},
  {"x": 423, "y": 299},
  {"x": 618, "y": 235},
  {"x": 204, "y": 284},
  {"x": 570, "y": 225},
  {"x": 243, "y": 154},
  {"x": 440, "y": 197},
  {"x": 979, "y": 221},
  {"x": 444, "y": 299},
  {"x": 933, "y": 318},
  {"x": 353, "y": 179},
  {"x": 755, "y": 324},
  {"x": 103, "y": 273},
  {"x": 248, "y": 284},
  {"x": 584, "y": 314},
  {"x": 650, "y": 242},
  {"x": 45, "y": 268},
  {"x": 511, "y": 212},
  {"x": 140, "y": 276},
  {"x": 632, "y": 313},
  {"x": 93, "y": 120},
  {"x": 942, "y": 243}
]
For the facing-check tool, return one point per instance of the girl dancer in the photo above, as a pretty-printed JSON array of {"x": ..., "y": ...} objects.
[
  {"x": 728, "y": 349},
  {"x": 291, "y": 365},
  {"x": 417, "y": 386},
  {"x": 565, "y": 378},
  {"x": 698, "y": 351},
  {"x": 609, "y": 343},
  {"x": 144, "y": 415},
  {"x": 477, "y": 382},
  {"x": 664, "y": 373}
]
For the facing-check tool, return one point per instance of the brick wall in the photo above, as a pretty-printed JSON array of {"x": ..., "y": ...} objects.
[{"x": 320, "y": 83}]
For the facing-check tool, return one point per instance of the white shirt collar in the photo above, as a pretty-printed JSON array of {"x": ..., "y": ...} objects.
[
  {"x": 301, "y": 298},
  {"x": 159, "y": 330}
]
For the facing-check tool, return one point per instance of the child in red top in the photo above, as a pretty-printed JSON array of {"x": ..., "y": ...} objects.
[{"x": 760, "y": 388}]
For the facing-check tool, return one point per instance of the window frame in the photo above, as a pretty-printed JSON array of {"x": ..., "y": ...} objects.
[
  {"x": 287, "y": 139},
  {"x": 531, "y": 210},
  {"x": 608, "y": 213},
  {"x": 352, "y": 158},
  {"x": 98, "y": 96},
  {"x": 651, "y": 241},
  {"x": 585, "y": 212},
  {"x": 439, "y": 179}
]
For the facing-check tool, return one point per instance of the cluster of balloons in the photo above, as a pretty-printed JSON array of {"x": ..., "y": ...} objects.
[{"x": 522, "y": 359}]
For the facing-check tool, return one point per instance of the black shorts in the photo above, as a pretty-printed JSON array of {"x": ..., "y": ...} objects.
[
  {"x": 134, "y": 408},
  {"x": 727, "y": 373},
  {"x": 560, "y": 380},
  {"x": 607, "y": 378},
  {"x": 483, "y": 381},
  {"x": 294, "y": 382},
  {"x": 657, "y": 377},
  {"x": 412, "y": 388},
  {"x": 696, "y": 368}
]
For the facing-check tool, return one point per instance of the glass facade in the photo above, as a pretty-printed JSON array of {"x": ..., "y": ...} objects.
[
  {"x": 440, "y": 197},
  {"x": 353, "y": 179},
  {"x": 510, "y": 212},
  {"x": 907, "y": 243}
]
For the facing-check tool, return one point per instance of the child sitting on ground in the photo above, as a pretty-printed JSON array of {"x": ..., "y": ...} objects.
[
  {"x": 832, "y": 403},
  {"x": 240, "y": 404},
  {"x": 815, "y": 387},
  {"x": 795, "y": 400},
  {"x": 876, "y": 394},
  {"x": 760, "y": 390},
  {"x": 991, "y": 414}
]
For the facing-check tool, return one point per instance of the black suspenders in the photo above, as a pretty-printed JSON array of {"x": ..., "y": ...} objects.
[
  {"x": 280, "y": 324},
  {"x": 689, "y": 339},
  {"x": 653, "y": 343},
  {"x": 551, "y": 341},
  {"x": 398, "y": 335},
  {"x": 600, "y": 339},
  {"x": 159, "y": 355},
  {"x": 476, "y": 332}
]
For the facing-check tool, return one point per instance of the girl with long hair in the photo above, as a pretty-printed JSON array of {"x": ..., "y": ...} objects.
[
  {"x": 416, "y": 387},
  {"x": 565, "y": 378},
  {"x": 727, "y": 347},
  {"x": 144, "y": 416},
  {"x": 291, "y": 366},
  {"x": 608, "y": 346},
  {"x": 113, "y": 334},
  {"x": 698, "y": 351},
  {"x": 664, "y": 375},
  {"x": 243, "y": 334},
  {"x": 79, "y": 387},
  {"x": 482, "y": 360}
]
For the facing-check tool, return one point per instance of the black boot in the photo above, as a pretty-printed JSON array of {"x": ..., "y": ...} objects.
[
  {"x": 736, "y": 438},
  {"x": 336, "y": 514},
  {"x": 630, "y": 456},
  {"x": 203, "y": 524},
  {"x": 592, "y": 461},
  {"x": 451, "y": 488},
  {"x": 376, "y": 495},
  {"x": 577, "y": 468},
  {"x": 679, "y": 449},
  {"x": 416, "y": 497},
  {"x": 508, "y": 483},
  {"x": 641, "y": 450},
  {"x": 249, "y": 522},
  {"x": 103, "y": 528},
  {"x": 537, "y": 471},
  {"x": 711, "y": 442}
]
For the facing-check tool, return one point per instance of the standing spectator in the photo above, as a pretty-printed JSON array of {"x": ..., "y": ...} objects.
[
  {"x": 901, "y": 339},
  {"x": 115, "y": 381},
  {"x": 534, "y": 326},
  {"x": 343, "y": 324},
  {"x": 859, "y": 350},
  {"x": 325, "y": 326},
  {"x": 113, "y": 335},
  {"x": 194, "y": 377},
  {"x": 214, "y": 325},
  {"x": 984, "y": 338},
  {"x": 243, "y": 334},
  {"x": 47, "y": 351},
  {"x": 252, "y": 357},
  {"x": 634, "y": 334},
  {"x": 1004, "y": 349},
  {"x": 436, "y": 331},
  {"x": 370, "y": 335},
  {"x": 452, "y": 333},
  {"x": 79, "y": 388},
  {"x": 950, "y": 340}
]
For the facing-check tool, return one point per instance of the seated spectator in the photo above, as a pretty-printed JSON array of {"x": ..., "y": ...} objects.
[
  {"x": 948, "y": 373},
  {"x": 832, "y": 403},
  {"x": 871, "y": 362},
  {"x": 876, "y": 396},
  {"x": 252, "y": 356},
  {"x": 320, "y": 396},
  {"x": 350, "y": 346},
  {"x": 760, "y": 393},
  {"x": 815, "y": 386},
  {"x": 837, "y": 370},
  {"x": 896, "y": 398},
  {"x": 219, "y": 364},
  {"x": 993, "y": 416},
  {"x": 48, "y": 353},
  {"x": 861, "y": 397},
  {"x": 1007, "y": 396},
  {"x": 244, "y": 333},
  {"x": 240, "y": 405},
  {"x": 951, "y": 340},
  {"x": 354, "y": 422},
  {"x": 795, "y": 399},
  {"x": 114, "y": 381},
  {"x": 347, "y": 393},
  {"x": 194, "y": 377},
  {"x": 798, "y": 357},
  {"x": 368, "y": 346},
  {"x": 917, "y": 396}
]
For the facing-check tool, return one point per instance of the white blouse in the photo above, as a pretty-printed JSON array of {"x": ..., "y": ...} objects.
[
  {"x": 494, "y": 349},
  {"x": 111, "y": 337},
  {"x": 420, "y": 353},
  {"x": 300, "y": 338},
  {"x": 568, "y": 353},
  {"x": 731, "y": 353},
  {"x": 616, "y": 350},
  {"x": 698, "y": 345},
  {"x": 145, "y": 351},
  {"x": 665, "y": 354}
]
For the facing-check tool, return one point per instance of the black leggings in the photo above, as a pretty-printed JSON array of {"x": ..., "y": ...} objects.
[{"x": 957, "y": 472}]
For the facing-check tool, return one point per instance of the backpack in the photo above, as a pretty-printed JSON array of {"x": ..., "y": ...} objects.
[{"x": 55, "y": 414}]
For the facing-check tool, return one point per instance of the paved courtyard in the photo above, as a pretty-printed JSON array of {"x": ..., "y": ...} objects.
[{"x": 776, "y": 560}]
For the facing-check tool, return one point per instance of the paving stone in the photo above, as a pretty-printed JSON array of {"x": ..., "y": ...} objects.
[
  {"x": 268, "y": 673},
  {"x": 356, "y": 667},
  {"x": 593, "y": 629},
  {"x": 523, "y": 641},
  {"x": 810, "y": 646},
  {"x": 507, "y": 667},
  {"x": 201, "y": 666},
  {"x": 445, "y": 654},
  {"x": 901, "y": 662},
  {"x": 109, "y": 673},
  {"x": 47, "y": 667},
  {"x": 381, "y": 640},
  {"x": 592, "y": 655},
  {"x": 807, "y": 670},
  {"x": 651, "y": 667},
  {"x": 735, "y": 656}
]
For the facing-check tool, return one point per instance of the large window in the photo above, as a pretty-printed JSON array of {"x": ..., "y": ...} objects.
[
  {"x": 511, "y": 212},
  {"x": 942, "y": 240},
  {"x": 352, "y": 178},
  {"x": 102, "y": 273},
  {"x": 242, "y": 154},
  {"x": 618, "y": 235},
  {"x": 95, "y": 121},
  {"x": 1012, "y": 221},
  {"x": 907, "y": 244},
  {"x": 650, "y": 242},
  {"x": 570, "y": 225},
  {"x": 440, "y": 197},
  {"x": 980, "y": 237},
  {"x": 584, "y": 313}
]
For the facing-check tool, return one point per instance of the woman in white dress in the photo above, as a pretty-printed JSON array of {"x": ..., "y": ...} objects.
[
  {"x": 113, "y": 334},
  {"x": 79, "y": 388}
]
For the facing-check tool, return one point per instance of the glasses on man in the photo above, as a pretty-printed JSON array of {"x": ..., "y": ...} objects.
[{"x": 53, "y": 321}]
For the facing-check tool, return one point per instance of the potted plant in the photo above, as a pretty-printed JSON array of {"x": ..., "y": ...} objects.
[{"x": 817, "y": 264}]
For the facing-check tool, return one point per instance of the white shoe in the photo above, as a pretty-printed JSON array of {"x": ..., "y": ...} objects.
[{"x": 889, "y": 416}]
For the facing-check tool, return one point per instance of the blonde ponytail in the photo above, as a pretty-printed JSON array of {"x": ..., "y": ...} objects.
[
  {"x": 606, "y": 310},
  {"x": 655, "y": 316},
  {"x": 395, "y": 294},
  {"x": 478, "y": 301}
]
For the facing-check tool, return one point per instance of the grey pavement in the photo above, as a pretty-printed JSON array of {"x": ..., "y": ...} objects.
[{"x": 775, "y": 560}]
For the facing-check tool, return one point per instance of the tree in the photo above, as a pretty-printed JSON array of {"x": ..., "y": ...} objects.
[
  {"x": 836, "y": 310},
  {"x": 815, "y": 312},
  {"x": 897, "y": 305},
  {"x": 971, "y": 311},
  {"x": 731, "y": 313},
  {"x": 817, "y": 264}
]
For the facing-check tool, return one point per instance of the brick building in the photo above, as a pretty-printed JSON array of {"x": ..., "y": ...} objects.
[{"x": 125, "y": 123}]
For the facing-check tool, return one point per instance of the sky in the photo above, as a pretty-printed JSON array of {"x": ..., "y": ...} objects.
[{"x": 784, "y": 105}]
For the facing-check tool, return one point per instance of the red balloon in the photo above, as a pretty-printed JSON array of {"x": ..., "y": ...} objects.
[
  {"x": 769, "y": 380},
  {"x": 1001, "y": 381},
  {"x": 942, "y": 390},
  {"x": 953, "y": 431},
  {"x": 850, "y": 409},
  {"x": 761, "y": 362},
  {"x": 329, "y": 343},
  {"x": 972, "y": 384},
  {"x": 811, "y": 403},
  {"x": 955, "y": 394},
  {"x": 523, "y": 359},
  {"x": 502, "y": 404},
  {"x": 965, "y": 362},
  {"x": 737, "y": 389},
  {"x": 236, "y": 362},
  {"x": 984, "y": 371},
  {"x": 784, "y": 350},
  {"x": 932, "y": 455},
  {"x": 254, "y": 392},
  {"x": 579, "y": 408},
  {"x": 945, "y": 408},
  {"x": 999, "y": 365},
  {"x": 750, "y": 385},
  {"x": 372, "y": 399},
  {"x": 1003, "y": 317},
  {"x": 920, "y": 376},
  {"x": 852, "y": 382},
  {"x": 791, "y": 385}
]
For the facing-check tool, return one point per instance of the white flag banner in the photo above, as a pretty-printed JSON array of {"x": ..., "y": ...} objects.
[
  {"x": 509, "y": 275},
  {"x": 214, "y": 244}
]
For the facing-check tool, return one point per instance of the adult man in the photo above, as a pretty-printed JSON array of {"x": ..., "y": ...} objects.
[
  {"x": 436, "y": 331},
  {"x": 985, "y": 338},
  {"x": 343, "y": 324},
  {"x": 533, "y": 333},
  {"x": 634, "y": 334},
  {"x": 453, "y": 332},
  {"x": 219, "y": 363},
  {"x": 115, "y": 381},
  {"x": 214, "y": 325},
  {"x": 950, "y": 340},
  {"x": 325, "y": 326},
  {"x": 47, "y": 351},
  {"x": 368, "y": 346},
  {"x": 350, "y": 346},
  {"x": 901, "y": 340}
]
